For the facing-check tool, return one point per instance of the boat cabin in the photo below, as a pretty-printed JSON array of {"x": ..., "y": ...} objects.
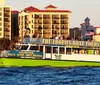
[{"x": 56, "y": 49}]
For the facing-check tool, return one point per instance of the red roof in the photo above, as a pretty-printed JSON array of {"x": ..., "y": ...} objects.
[
  {"x": 83, "y": 24},
  {"x": 55, "y": 11},
  {"x": 31, "y": 9},
  {"x": 50, "y": 6},
  {"x": 96, "y": 27},
  {"x": 14, "y": 11},
  {"x": 49, "y": 11}
]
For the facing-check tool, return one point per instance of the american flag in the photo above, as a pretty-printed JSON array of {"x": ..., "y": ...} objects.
[{"x": 89, "y": 34}]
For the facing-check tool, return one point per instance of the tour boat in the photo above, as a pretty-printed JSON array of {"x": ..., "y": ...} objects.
[{"x": 54, "y": 52}]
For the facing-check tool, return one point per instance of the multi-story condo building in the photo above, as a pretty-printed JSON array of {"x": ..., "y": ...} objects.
[
  {"x": 5, "y": 20},
  {"x": 47, "y": 23}
]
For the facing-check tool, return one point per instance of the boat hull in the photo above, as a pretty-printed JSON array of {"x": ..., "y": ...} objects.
[
  {"x": 19, "y": 62},
  {"x": 76, "y": 57}
]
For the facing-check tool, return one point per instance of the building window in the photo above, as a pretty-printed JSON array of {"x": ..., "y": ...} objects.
[
  {"x": 0, "y": 29},
  {"x": 0, "y": 34},
  {"x": 0, "y": 24},
  {"x": 0, "y": 14},
  {"x": 32, "y": 31},
  {"x": 0, "y": 19},
  {"x": 32, "y": 26},
  {"x": 91, "y": 30},
  {"x": 32, "y": 21},
  {"x": 0, "y": 9},
  {"x": 86, "y": 27},
  {"x": 87, "y": 31},
  {"x": 32, "y": 16}
]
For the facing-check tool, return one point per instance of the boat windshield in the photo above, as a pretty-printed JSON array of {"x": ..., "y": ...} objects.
[
  {"x": 24, "y": 47},
  {"x": 35, "y": 48}
]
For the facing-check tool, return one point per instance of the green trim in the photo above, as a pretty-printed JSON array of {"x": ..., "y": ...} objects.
[{"x": 52, "y": 63}]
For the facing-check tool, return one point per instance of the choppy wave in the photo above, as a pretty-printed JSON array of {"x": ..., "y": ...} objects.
[{"x": 50, "y": 76}]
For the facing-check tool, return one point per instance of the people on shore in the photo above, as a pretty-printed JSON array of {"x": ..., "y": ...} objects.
[
  {"x": 3, "y": 53},
  {"x": 55, "y": 36}
]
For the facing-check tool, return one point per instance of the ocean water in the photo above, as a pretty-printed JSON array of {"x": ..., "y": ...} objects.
[{"x": 50, "y": 76}]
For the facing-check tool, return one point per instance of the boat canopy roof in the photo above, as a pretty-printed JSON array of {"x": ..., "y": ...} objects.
[{"x": 58, "y": 42}]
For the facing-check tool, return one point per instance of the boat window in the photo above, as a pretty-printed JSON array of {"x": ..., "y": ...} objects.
[
  {"x": 24, "y": 47},
  {"x": 55, "y": 49},
  {"x": 76, "y": 51},
  {"x": 92, "y": 51},
  {"x": 89, "y": 51},
  {"x": 68, "y": 50},
  {"x": 61, "y": 50},
  {"x": 34, "y": 48},
  {"x": 48, "y": 49},
  {"x": 98, "y": 52},
  {"x": 79, "y": 51},
  {"x": 41, "y": 48}
]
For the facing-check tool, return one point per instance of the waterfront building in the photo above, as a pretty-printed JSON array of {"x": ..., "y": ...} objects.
[
  {"x": 47, "y": 23},
  {"x": 97, "y": 29},
  {"x": 14, "y": 24},
  {"x": 5, "y": 20},
  {"x": 87, "y": 30},
  {"x": 96, "y": 37},
  {"x": 75, "y": 33}
]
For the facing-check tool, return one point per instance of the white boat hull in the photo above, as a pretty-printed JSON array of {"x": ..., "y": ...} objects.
[{"x": 76, "y": 57}]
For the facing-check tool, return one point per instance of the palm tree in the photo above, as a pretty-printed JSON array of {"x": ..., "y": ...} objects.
[
  {"x": 39, "y": 29},
  {"x": 26, "y": 32}
]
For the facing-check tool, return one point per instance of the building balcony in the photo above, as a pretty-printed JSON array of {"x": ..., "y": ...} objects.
[
  {"x": 55, "y": 18},
  {"x": 64, "y": 17},
  {"x": 46, "y": 17},
  {"x": 37, "y": 22},
  {"x": 56, "y": 23},
  {"x": 46, "y": 22},
  {"x": 37, "y": 17},
  {"x": 6, "y": 15},
  {"x": 46, "y": 31}
]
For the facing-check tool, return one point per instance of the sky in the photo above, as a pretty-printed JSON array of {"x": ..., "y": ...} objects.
[{"x": 80, "y": 9}]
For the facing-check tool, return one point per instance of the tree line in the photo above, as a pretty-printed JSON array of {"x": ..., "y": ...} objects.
[{"x": 6, "y": 44}]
